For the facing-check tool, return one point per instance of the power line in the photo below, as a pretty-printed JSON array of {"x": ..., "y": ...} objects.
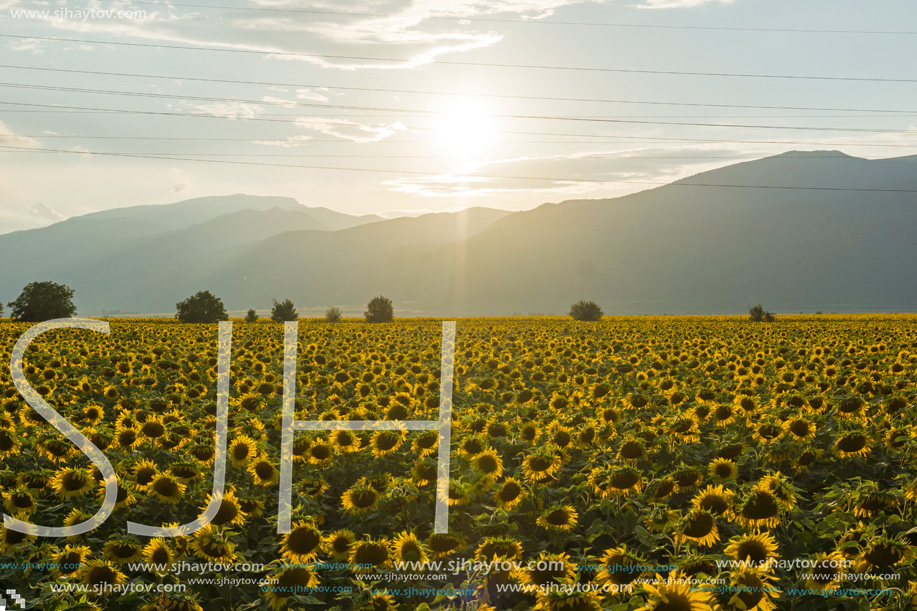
[
  {"x": 474, "y": 64},
  {"x": 450, "y": 93},
  {"x": 597, "y": 140},
  {"x": 502, "y": 177},
  {"x": 302, "y": 121}
]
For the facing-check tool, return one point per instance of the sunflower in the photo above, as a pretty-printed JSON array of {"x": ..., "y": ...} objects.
[
  {"x": 615, "y": 481},
  {"x": 458, "y": 494},
  {"x": 73, "y": 518},
  {"x": 152, "y": 429},
  {"x": 70, "y": 561},
  {"x": 210, "y": 544},
  {"x": 97, "y": 574},
  {"x": 631, "y": 450},
  {"x": 289, "y": 581},
  {"x": 360, "y": 498},
  {"x": 185, "y": 601},
  {"x": 852, "y": 444},
  {"x": 368, "y": 555},
  {"x": 229, "y": 512},
  {"x": 145, "y": 472},
  {"x": 673, "y": 595},
  {"x": 661, "y": 489},
  {"x": 874, "y": 504},
  {"x": 444, "y": 544},
  {"x": 722, "y": 469},
  {"x": 426, "y": 443},
  {"x": 616, "y": 565},
  {"x": 345, "y": 441},
  {"x": 384, "y": 443},
  {"x": 716, "y": 500},
  {"x": 313, "y": 487},
  {"x": 510, "y": 494},
  {"x": 166, "y": 488},
  {"x": 71, "y": 482},
  {"x": 20, "y": 501},
  {"x": 499, "y": 547},
  {"x": 158, "y": 552},
  {"x": 123, "y": 498},
  {"x": 127, "y": 438},
  {"x": 93, "y": 414},
  {"x": 541, "y": 464},
  {"x": 757, "y": 547},
  {"x": 723, "y": 414},
  {"x": 563, "y": 600},
  {"x": 827, "y": 572},
  {"x": 381, "y": 601},
  {"x": 242, "y": 450},
  {"x": 558, "y": 517},
  {"x": 408, "y": 548},
  {"x": 760, "y": 509},
  {"x": 882, "y": 553},
  {"x": 753, "y": 590},
  {"x": 122, "y": 550},
  {"x": 9, "y": 443},
  {"x": 12, "y": 539},
  {"x": 687, "y": 479},
  {"x": 338, "y": 544},
  {"x": 699, "y": 526},
  {"x": 489, "y": 464},
  {"x": 767, "y": 431},
  {"x": 302, "y": 544},
  {"x": 186, "y": 471},
  {"x": 800, "y": 428},
  {"x": 263, "y": 472}
]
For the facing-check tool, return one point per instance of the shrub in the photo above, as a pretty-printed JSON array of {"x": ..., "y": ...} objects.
[
  {"x": 333, "y": 314},
  {"x": 379, "y": 309},
  {"x": 40, "y": 301},
  {"x": 586, "y": 311},
  {"x": 203, "y": 307},
  {"x": 252, "y": 316},
  {"x": 759, "y": 314},
  {"x": 283, "y": 311}
]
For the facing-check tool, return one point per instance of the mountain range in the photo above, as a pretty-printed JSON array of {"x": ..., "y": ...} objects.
[{"x": 796, "y": 232}]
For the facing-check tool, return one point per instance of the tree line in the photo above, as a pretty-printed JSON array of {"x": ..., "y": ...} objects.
[{"x": 41, "y": 301}]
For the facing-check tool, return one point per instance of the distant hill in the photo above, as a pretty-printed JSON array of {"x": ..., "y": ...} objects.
[{"x": 796, "y": 232}]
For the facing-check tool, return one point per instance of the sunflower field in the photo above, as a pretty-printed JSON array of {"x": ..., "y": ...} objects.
[{"x": 654, "y": 464}]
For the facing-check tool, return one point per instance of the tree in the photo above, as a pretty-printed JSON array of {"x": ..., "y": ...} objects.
[
  {"x": 759, "y": 314},
  {"x": 203, "y": 307},
  {"x": 379, "y": 309},
  {"x": 283, "y": 311},
  {"x": 333, "y": 314},
  {"x": 252, "y": 316},
  {"x": 40, "y": 301},
  {"x": 586, "y": 311},
  {"x": 1, "y": 310}
]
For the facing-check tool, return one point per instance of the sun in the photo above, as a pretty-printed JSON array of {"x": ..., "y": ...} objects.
[{"x": 465, "y": 128}]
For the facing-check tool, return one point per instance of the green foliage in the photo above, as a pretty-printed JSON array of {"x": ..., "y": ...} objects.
[
  {"x": 40, "y": 301},
  {"x": 586, "y": 311},
  {"x": 759, "y": 314},
  {"x": 379, "y": 309},
  {"x": 283, "y": 311},
  {"x": 333, "y": 314},
  {"x": 203, "y": 307},
  {"x": 251, "y": 316}
]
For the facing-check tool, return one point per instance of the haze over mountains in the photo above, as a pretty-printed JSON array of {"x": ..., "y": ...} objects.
[{"x": 796, "y": 232}]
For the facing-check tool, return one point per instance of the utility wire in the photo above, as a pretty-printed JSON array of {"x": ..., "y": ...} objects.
[
  {"x": 503, "y": 177},
  {"x": 449, "y": 93},
  {"x": 392, "y": 60}
]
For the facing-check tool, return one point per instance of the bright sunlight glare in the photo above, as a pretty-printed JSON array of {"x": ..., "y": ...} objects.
[{"x": 465, "y": 129}]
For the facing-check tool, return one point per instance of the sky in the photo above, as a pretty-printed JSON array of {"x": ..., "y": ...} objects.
[{"x": 397, "y": 107}]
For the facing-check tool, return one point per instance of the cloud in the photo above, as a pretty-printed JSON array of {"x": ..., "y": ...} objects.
[
  {"x": 9, "y": 138},
  {"x": 678, "y": 3},
  {"x": 351, "y": 130},
  {"x": 44, "y": 211},
  {"x": 286, "y": 143},
  {"x": 182, "y": 182},
  {"x": 577, "y": 174},
  {"x": 228, "y": 110}
]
